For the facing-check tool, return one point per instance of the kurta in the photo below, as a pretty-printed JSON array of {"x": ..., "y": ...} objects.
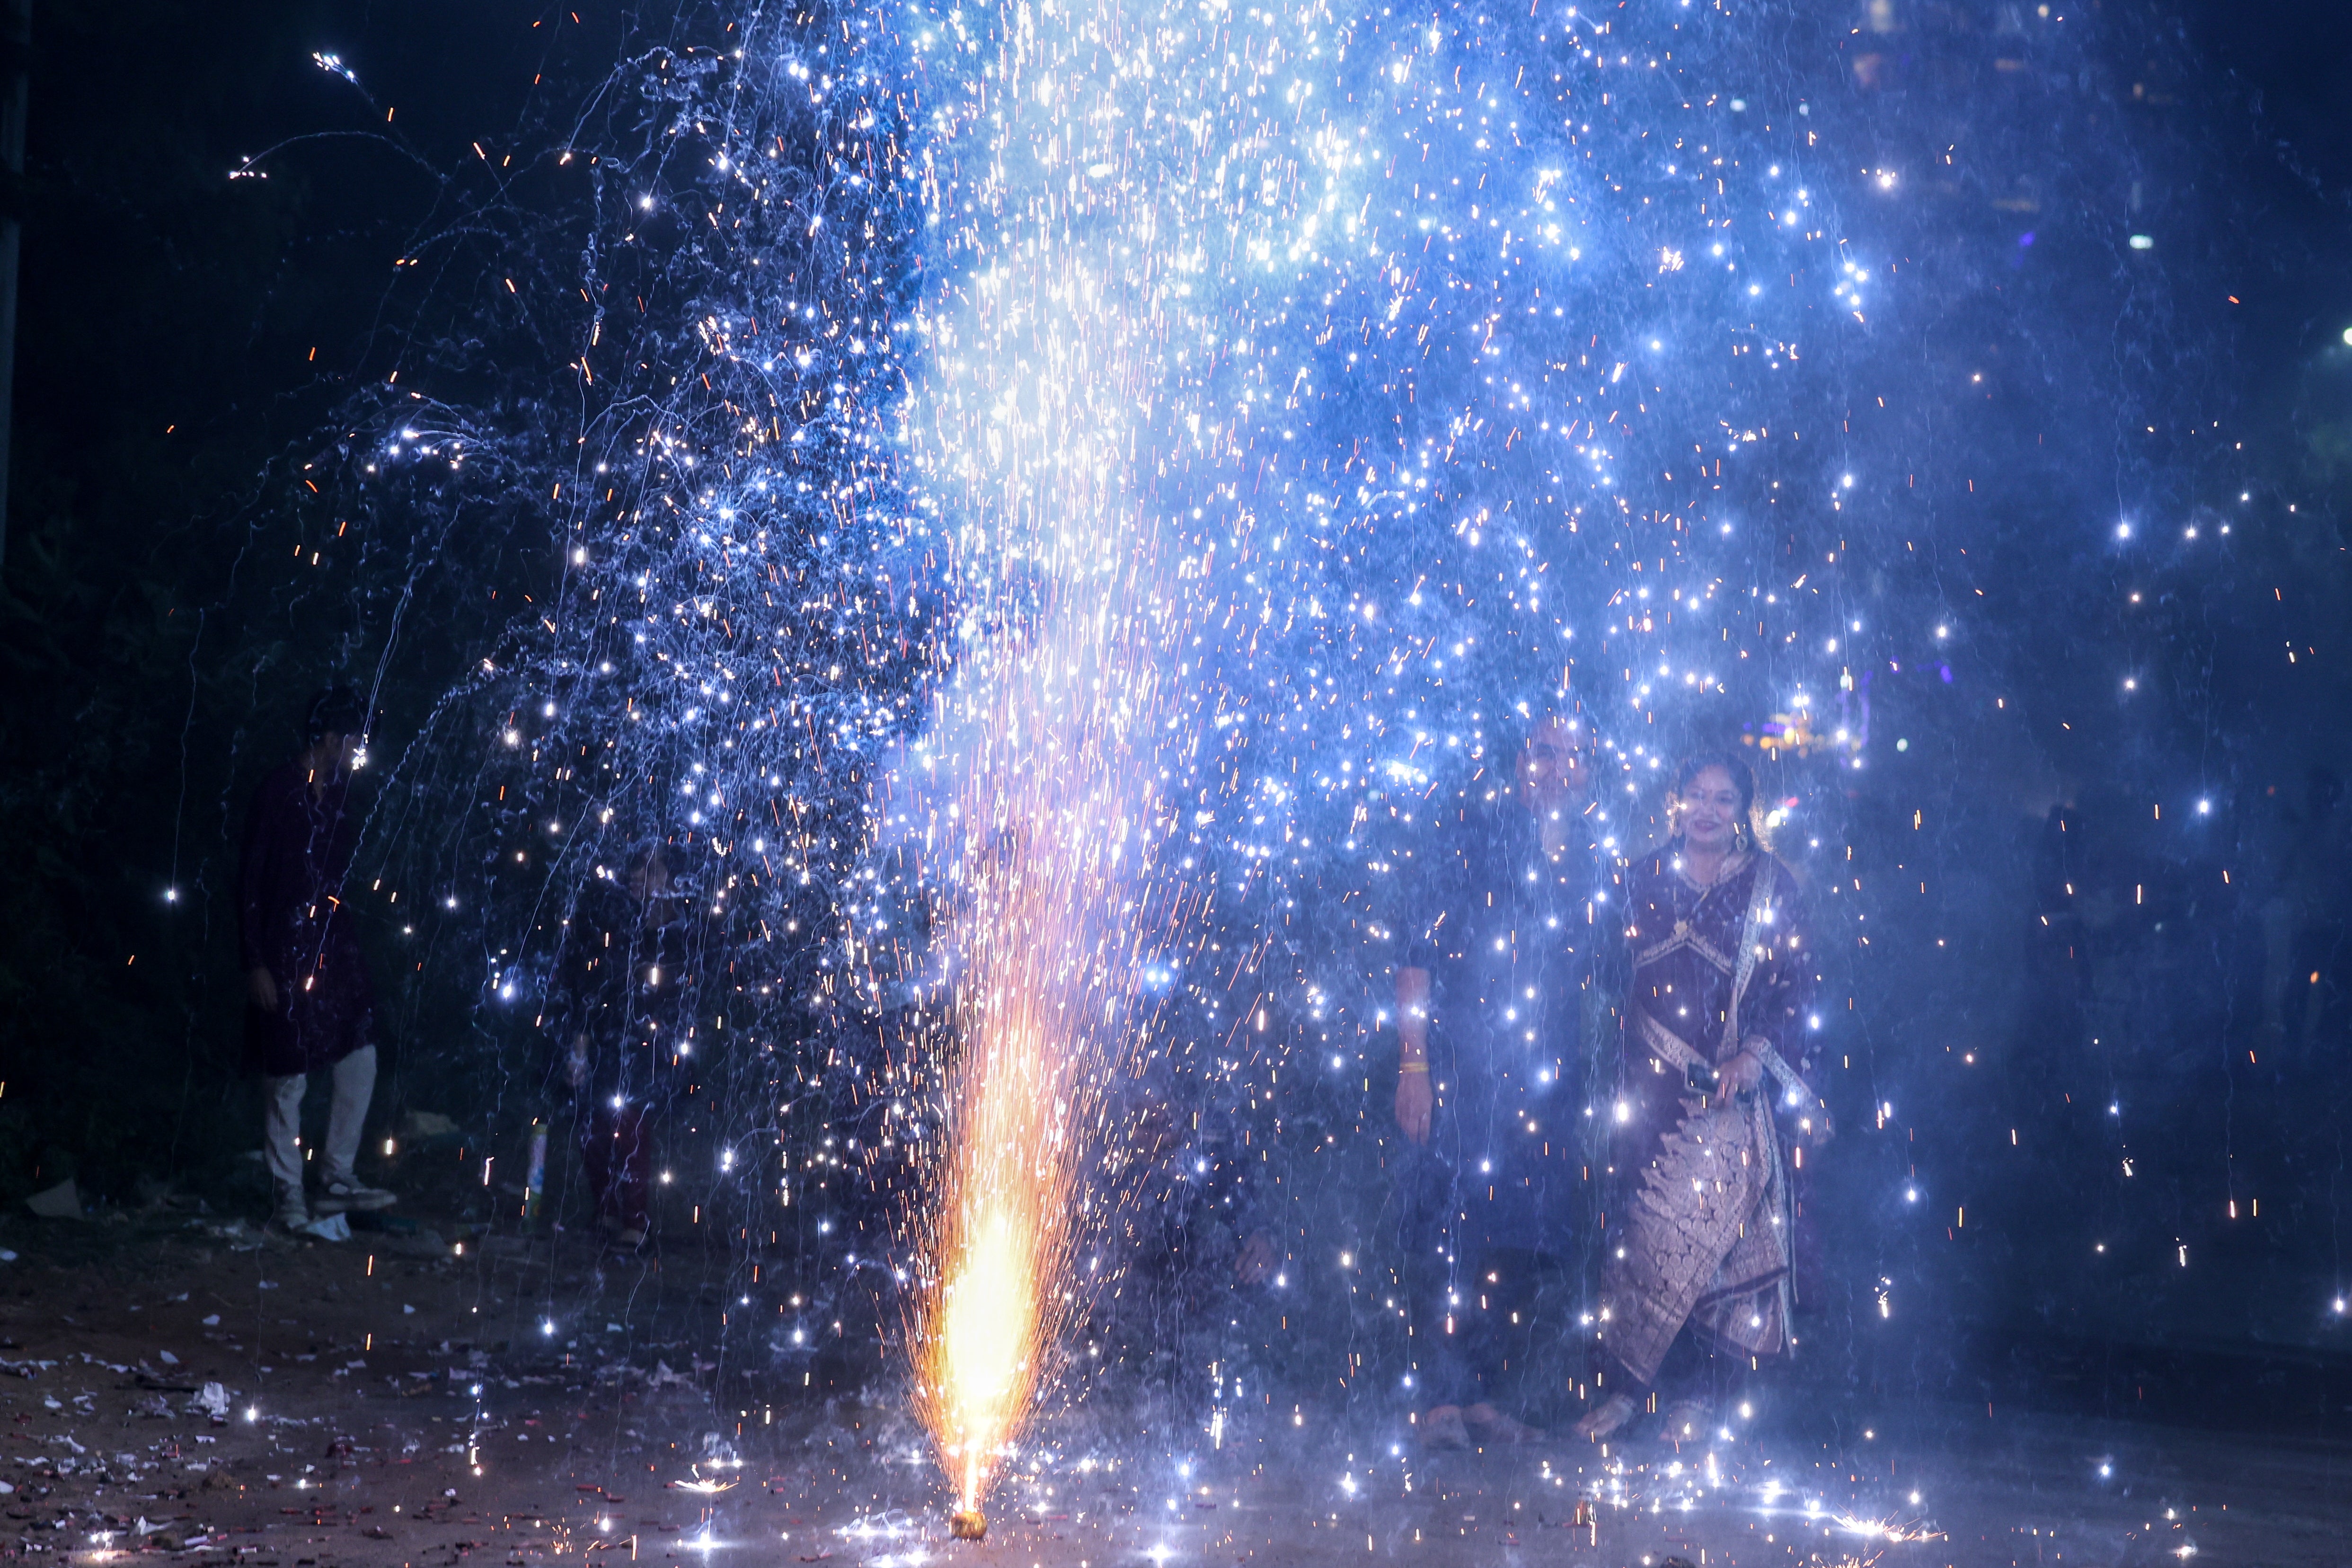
[
  {"x": 1706, "y": 1214},
  {"x": 291, "y": 921},
  {"x": 1512, "y": 938}
]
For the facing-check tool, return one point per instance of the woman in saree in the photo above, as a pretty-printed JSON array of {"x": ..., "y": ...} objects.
[{"x": 1713, "y": 1088}]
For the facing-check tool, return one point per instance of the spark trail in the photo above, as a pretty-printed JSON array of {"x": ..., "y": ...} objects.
[
  {"x": 1296, "y": 398},
  {"x": 1053, "y": 374}
]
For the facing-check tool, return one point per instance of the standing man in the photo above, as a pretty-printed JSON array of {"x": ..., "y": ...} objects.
[
  {"x": 1499, "y": 990},
  {"x": 627, "y": 1004},
  {"x": 308, "y": 1005}
]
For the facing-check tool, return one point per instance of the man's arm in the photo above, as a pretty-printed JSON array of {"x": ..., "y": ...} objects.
[{"x": 1413, "y": 1098}]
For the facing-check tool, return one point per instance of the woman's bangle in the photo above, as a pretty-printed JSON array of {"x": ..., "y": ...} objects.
[{"x": 1413, "y": 1067}]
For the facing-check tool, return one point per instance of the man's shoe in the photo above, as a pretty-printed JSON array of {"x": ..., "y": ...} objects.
[
  {"x": 1602, "y": 1421},
  {"x": 337, "y": 1197}
]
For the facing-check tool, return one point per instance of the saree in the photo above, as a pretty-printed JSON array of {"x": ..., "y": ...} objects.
[{"x": 1706, "y": 1229}]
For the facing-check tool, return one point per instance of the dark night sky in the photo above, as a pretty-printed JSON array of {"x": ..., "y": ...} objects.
[
  {"x": 2286, "y": 70},
  {"x": 218, "y": 293},
  {"x": 2295, "y": 57}
]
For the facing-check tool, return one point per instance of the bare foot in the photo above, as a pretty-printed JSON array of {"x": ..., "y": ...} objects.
[
  {"x": 1687, "y": 1420},
  {"x": 1604, "y": 1419},
  {"x": 1492, "y": 1426},
  {"x": 1442, "y": 1428}
]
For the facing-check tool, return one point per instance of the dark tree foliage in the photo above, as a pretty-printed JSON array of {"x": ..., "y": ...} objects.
[{"x": 194, "y": 326}]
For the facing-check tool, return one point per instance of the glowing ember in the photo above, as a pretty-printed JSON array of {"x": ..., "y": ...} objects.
[{"x": 982, "y": 1338}]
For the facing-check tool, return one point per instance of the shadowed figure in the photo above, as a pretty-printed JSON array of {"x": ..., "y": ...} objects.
[
  {"x": 1505, "y": 902},
  {"x": 309, "y": 1005},
  {"x": 623, "y": 1009},
  {"x": 2302, "y": 918}
]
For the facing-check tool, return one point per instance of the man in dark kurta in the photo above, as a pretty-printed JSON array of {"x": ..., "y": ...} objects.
[
  {"x": 308, "y": 1005},
  {"x": 1498, "y": 996}
]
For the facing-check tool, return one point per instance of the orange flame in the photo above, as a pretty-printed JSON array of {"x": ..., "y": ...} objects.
[
  {"x": 1002, "y": 1246},
  {"x": 1051, "y": 928}
]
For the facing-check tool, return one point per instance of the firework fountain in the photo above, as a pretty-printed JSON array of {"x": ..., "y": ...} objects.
[
  {"x": 1090, "y": 199},
  {"x": 1138, "y": 468}
]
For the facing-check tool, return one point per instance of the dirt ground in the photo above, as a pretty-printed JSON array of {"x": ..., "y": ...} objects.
[{"x": 181, "y": 1384}]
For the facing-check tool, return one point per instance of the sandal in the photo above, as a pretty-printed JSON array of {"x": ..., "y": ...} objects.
[{"x": 1686, "y": 1421}]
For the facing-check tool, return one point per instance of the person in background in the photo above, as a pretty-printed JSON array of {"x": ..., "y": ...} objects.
[
  {"x": 1711, "y": 1104},
  {"x": 623, "y": 1012},
  {"x": 1186, "y": 1241},
  {"x": 309, "y": 1006},
  {"x": 1193, "y": 1193},
  {"x": 1508, "y": 918}
]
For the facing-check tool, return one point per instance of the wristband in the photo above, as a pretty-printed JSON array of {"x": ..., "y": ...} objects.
[{"x": 1413, "y": 1067}]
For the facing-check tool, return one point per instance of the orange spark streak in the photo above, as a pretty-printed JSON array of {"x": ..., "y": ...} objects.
[{"x": 1049, "y": 931}]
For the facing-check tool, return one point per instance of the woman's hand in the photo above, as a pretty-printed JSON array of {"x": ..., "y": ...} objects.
[
  {"x": 261, "y": 988},
  {"x": 575, "y": 1063},
  {"x": 1741, "y": 1074},
  {"x": 1412, "y": 1104}
]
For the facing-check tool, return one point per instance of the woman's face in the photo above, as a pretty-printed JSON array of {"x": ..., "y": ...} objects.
[{"x": 1710, "y": 806}]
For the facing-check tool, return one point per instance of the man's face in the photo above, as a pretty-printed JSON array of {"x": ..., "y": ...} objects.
[{"x": 1554, "y": 773}]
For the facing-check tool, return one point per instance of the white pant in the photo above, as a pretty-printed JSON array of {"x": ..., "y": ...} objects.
[{"x": 281, "y": 1122}]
